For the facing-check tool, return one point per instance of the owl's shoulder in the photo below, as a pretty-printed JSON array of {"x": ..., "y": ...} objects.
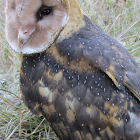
[{"x": 103, "y": 52}]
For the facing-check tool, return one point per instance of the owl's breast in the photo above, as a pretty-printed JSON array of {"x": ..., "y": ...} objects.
[{"x": 49, "y": 78}]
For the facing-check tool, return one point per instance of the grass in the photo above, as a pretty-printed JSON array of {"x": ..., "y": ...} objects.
[{"x": 119, "y": 19}]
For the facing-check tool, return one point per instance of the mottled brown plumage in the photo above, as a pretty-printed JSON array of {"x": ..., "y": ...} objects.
[{"x": 83, "y": 82}]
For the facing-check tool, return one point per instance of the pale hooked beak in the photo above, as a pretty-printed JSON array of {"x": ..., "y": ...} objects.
[{"x": 23, "y": 36}]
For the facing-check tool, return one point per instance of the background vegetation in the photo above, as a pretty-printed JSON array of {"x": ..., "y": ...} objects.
[{"x": 119, "y": 18}]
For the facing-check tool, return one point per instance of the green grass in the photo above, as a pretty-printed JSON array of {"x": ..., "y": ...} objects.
[{"x": 121, "y": 20}]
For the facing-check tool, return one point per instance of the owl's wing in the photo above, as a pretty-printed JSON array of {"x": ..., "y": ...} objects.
[{"x": 111, "y": 57}]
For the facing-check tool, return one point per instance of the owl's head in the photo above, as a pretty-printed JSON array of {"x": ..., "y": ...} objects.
[{"x": 32, "y": 25}]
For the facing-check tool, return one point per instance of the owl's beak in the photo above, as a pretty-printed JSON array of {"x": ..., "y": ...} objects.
[{"x": 23, "y": 36}]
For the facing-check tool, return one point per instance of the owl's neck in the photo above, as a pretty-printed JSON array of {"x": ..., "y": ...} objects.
[{"x": 75, "y": 22}]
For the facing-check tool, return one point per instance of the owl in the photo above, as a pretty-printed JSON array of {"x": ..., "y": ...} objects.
[{"x": 83, "y": 81}]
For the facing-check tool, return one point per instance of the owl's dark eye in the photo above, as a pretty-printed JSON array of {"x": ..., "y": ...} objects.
[
  {"x": 45, "y": 12},
  {"x": 42, "y": 12}
]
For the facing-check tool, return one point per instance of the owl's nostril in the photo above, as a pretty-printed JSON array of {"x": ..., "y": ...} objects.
[
  {"x": 21, "y": 41},
  {"x": 26, "y": 31}
]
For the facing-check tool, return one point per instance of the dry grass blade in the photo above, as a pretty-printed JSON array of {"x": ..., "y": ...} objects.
[
  {"x": 114, "y": 23},
  {"x": 17, "y": 126},
  {"x": 38, "y": 127},
  {"x": 9, "y": 102},
  {"x": 21, "y": 117},
  {"x": 10, "y": 92},
  {"x": 125, "y": 31}
]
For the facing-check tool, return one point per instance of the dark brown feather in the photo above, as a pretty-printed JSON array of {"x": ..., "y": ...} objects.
[{"x": 84, "y": 87}]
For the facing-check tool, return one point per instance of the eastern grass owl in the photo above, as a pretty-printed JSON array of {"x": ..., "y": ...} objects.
[{"x": 78, "y": 77}]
